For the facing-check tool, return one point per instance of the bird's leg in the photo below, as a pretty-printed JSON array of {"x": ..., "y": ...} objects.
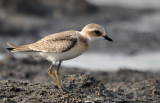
[
  {"x": 51, "y": 75},
  {"x": 57, "y": 76}
]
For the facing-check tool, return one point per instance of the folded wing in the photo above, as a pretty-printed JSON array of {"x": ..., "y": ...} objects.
[{"x": 59, "y": 42}]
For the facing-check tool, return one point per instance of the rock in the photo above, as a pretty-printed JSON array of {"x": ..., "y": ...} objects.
[
  {"x": 20, "y": 17},
  {"x": 15, "y": 25},
  {"x": 82, "y": 88},
  {"x": 47, "y": 7},
  {"x": 78, "y": 85}
]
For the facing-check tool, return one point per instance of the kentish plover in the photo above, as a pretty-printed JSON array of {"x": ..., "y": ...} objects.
[{"x": 63, "y": 46}]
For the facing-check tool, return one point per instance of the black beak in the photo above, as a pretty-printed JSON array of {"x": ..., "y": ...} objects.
[{"x": 108, "y": 38}]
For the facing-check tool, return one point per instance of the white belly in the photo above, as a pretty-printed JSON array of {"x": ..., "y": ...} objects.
[{"x": 72, "y": 53}]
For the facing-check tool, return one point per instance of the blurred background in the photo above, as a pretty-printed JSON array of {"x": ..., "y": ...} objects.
[{"x": 134, "y": 25}]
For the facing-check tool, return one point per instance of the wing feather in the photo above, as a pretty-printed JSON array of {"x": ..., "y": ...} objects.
[{"x": 59, "y": 42}]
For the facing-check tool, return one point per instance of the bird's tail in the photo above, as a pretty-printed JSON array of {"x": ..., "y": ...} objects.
[{"x": 15, "y": 48}]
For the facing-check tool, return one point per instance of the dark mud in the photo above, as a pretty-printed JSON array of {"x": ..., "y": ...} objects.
[{"x": 26, "y": 80}]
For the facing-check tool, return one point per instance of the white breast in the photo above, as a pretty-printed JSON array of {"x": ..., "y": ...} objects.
[{"x": 77, "y": 50}]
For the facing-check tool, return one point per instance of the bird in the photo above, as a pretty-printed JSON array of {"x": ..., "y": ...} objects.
[{"x": 62, "y": 46}]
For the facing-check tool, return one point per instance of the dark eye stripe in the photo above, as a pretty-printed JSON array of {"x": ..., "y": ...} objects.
[{"x": 98, "y": 33}]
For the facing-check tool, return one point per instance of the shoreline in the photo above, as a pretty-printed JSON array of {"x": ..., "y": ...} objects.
[{"x": 143, "y": 61}]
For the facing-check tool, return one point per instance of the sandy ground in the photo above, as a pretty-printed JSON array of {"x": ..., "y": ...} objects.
[{"x": 26, "y": 80}]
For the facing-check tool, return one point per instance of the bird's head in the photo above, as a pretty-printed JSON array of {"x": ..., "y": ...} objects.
[{"x": 95, "y": 32}]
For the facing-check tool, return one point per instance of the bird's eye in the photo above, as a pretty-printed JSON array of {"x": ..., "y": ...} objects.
[{"x": 98, "y": 33}]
